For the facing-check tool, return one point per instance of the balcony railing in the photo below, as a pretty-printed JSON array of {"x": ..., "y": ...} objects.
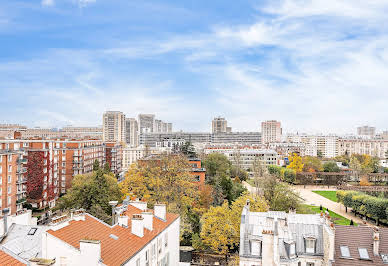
[
  {"x": 22, "y": 161},
  {"x": 21, "y": 170},
  {"x": 21, "y": 180}
]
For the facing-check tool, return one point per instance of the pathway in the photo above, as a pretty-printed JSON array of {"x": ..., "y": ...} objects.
[{"x": 312, "y": 198}]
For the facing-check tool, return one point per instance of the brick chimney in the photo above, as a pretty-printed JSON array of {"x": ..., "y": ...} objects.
[
  {"x": 376, "y": 241},
  {"x": 148, "y": 220},
  {"x": 137, "y": 227},
  {"x": 160, "y": 211}
]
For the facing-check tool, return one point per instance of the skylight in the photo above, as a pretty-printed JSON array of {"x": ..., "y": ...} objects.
[
  {"x": 32, "y": 231},
  {"x": 363, "y": 253},
  {"x": 345, "y": 251},
  {"x": 114, "y": 236}
]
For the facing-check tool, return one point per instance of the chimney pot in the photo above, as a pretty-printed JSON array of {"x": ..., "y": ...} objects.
[{"x": 137, "y": 227}]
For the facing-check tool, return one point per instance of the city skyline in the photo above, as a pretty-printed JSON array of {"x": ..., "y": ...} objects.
[{"x": 315, "y": 66}]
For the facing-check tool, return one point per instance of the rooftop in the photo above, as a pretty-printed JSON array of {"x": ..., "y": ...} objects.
[{"x": 114, "y": 250}]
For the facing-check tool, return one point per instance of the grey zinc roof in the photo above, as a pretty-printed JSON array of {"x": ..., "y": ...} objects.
[{"x": 21, "y": 243}]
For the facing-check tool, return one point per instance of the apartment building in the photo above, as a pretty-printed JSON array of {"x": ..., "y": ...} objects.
[
  {"x": 366, "y": 131},
  {"x": 372, "y": 147},
  {"x": 146, "y": 123},
  {"x": 286, "y": 239},
  {"x": 244, "y": 156},
  {"x": 12, "y": 182},
  {"x": 82, "y": 132},
  {"x": 322, "y": 145},
  {"x": 113, "y": 124},
  {"x": 244, "y": 138},
  {"x": 139, "y": 237},
  {"x": 114, "y": 156},
  {"x": 220, "y": 125},
  {"x": 45, "y": 168},
  {"x": 132, "y": 154},
  {"x": 197, "y": 171},
  {"x": 131, "y": 132},
  {"x": 271, "y": 131}
]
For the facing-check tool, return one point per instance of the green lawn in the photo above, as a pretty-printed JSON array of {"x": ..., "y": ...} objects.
[
  {"x": 331, "y": 195},
  {"x": 338, "y": 219}
]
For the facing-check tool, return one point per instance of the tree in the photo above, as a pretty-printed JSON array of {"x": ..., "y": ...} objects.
[
  {"x": 312, "y": 164},
  {"x": 218, "y": 231},
  {"x": 106, "y": 168},
  {"x": 188, "y": 149},
  {"x": 280, "y": 196},
  {"x": 96, "y": 165},
  {"x": 216, "y": 163},
  {"x": 258, "y": 172},
  {"x": 295, "y": 163},
  {"x": 331, "y": 167},
  {"x": 238, "y": 172},
  {"x": 92, "y": 192},
  {"x": 319, "y": 154},
  {"x": 166, "y": 179},
  {"x": 364, "y": 181}
]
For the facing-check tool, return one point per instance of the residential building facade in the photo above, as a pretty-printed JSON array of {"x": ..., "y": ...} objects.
[
  {"x": 271, "y": 131},
  {"x": 146, "y": 123},
  {"x": 131, "y": 132},
  {"x": 113, "y": 123},
  {"x": 220, "y": 125},
  {"x": 366, "y": 131}
]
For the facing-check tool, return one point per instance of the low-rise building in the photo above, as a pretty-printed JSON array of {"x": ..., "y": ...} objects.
[
  {"x": 285, "y": 239},
  {"x": 139, "y": 237},
  {"x": 198, "y": 171}
]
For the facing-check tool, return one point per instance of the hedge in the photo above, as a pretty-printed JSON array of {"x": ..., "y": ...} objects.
[{"x": 362, "y": 203}]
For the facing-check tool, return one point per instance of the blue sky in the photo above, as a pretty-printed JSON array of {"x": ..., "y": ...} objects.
[{"x": 317, "y": 66}]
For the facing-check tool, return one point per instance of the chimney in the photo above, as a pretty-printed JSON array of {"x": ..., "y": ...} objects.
[
  {"x": 142, "y": 205},
  {"x": 5, "y": 220},
  {"x": 160, "y": 211},
  {"x": 137, "y": 227},
  {"x": 376, "y": 241},
  {"x": 90, "y": 251},
  {"x": 291, "y": 211},
  {"x": 123, "y": 220},
  {"x": 148, "y": 220}
]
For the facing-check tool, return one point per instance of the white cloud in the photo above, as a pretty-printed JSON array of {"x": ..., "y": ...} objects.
[{"x": 47, "y": 2}]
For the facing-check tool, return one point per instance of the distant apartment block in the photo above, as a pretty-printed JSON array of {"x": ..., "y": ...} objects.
[
  {"x": 131, "y": 132},
  {"x": 220, "y": 125},
  {"x": 372, "y": 147},
  {"x": 271, "y": 131},
  {"x": 82, "y": 132},
  {"x": 146, "y": 123},
  {"x": 133, "y": 154},
  {"x": 178, "y": 138},
  {"x": 113, "y": 124},
  {"x": 323, "y": 145},
  {"x": 366, "y": 131},
  {"x": 244, "y": 156}
]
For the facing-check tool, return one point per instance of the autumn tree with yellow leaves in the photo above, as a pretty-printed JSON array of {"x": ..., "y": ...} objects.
[
  {"x": 296, "y": 163},
  {"x": 220, "y": 230}
]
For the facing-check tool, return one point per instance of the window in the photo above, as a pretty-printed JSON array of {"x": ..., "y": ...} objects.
[
  {"x": 309, "y": 263},
  {"x": 9, "y": 190},
  {"x": 32, "y": 231},
  {"x": 345, "y": 251},
  {"x": 9, "y": 202},
  {"x": 255, "y": 246},
  {"x": 160, "y": 245},
  {"x": 292, "y": 249},
  {"x": 9, "y": 157},
  {"x": 9, "y": 168},
  {"x": 363, "y": 253},
  {"x": 310, "y": 245},
  {"x": 9, "y": 179},
  {"x": 166, "y": 240},
  {"x": 153, "y": 250},
  {"x": 138, "y": 262}
]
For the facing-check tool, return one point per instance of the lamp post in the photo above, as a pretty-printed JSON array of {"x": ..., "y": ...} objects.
[{"x": 113, "y": 203}]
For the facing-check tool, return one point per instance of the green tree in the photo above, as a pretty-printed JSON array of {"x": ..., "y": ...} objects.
[
  {"x": 319, "y": 154},
  {"x": 331, "y": 167},
  {"x": 216, "y": 164},
  {"x": 96, "y": 165},
  {"x": 106, "y": 168},
  {"x": 92, "y": 192},
  {"x": 188, "y": 149},
  {"x": 312, "y": 164},
  {"x": 238, "y": 172}
]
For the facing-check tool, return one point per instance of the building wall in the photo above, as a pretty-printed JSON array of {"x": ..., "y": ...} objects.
[
  {"x": 271, "y": 131},
  {"x": 8, "y": 179},
  {"x": 113, "y": 124}
]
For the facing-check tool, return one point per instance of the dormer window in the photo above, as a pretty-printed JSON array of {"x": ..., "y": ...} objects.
[
  {"x": 290, "y": 248},
  {"x": 310, "y": 244},
  {"x": 255, "y": 246}
]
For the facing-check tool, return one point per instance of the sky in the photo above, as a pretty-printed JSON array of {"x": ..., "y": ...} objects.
[{"x": 317, "y": 66}]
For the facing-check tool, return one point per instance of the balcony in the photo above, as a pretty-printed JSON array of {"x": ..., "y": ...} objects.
[
  {"x": 21, "y": 180},
  {"x": 78, "y": 167},
  {"x": 22, "y": 161},
  {"x": 21, "y": 170}
]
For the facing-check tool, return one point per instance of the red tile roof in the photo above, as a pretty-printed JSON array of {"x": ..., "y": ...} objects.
[
  {"x": 6, "y": 259},
  {"x": 113, "y": 252}
]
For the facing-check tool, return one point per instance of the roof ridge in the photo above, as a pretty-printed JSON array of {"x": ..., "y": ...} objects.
[{"x": 15, "y": 256}]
